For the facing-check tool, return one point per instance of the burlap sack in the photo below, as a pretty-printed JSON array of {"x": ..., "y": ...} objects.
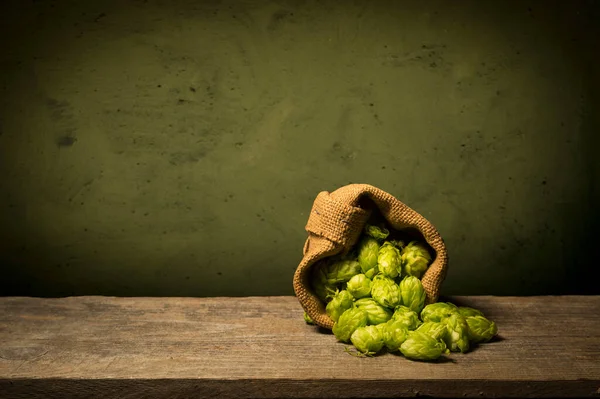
[{"x": 334, "y": 226}]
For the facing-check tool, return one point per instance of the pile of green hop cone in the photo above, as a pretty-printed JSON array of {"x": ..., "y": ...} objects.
[{"x": 375, "y": 297}]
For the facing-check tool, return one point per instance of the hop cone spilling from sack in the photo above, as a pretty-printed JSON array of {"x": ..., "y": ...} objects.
[{"x": 377, "y": 301}]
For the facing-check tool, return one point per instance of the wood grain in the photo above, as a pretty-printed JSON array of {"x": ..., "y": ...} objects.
[{"x": 260, "y": 347}]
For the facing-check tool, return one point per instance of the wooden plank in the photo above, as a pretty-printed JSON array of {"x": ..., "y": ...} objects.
[{"x": 261, "y": 347}]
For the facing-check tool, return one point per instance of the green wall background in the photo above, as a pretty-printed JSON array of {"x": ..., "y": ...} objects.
[{"x": 175, "y": 147}]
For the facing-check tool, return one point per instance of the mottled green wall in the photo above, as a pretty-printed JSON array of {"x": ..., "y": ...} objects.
[{"x": 175, "y": 147}]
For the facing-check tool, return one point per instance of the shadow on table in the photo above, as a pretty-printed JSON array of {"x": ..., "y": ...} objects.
[
  {"x": 475, "y": 347},
  {"x": 323, "y": 330},
  {"x": 442, "y": 359}
]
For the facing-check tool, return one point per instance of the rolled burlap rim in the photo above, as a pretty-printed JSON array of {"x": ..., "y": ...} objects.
[{"x": 334, "y": 226}]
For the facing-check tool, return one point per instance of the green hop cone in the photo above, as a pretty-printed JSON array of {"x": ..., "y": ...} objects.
[
  {"x": 368, "y": 251},
  {"x": 469, "y": 312},
  {"x": 341, "y": 302},
  {"x": 438, "y": 311},
  {"x": 481, "y": 329},
  {"x": 381, "y": 326},
  {"x": 436, "y": 330},
  {"x": 368, "y": 339},
  {"x": 307, "y": 319},
  {"x": 407, "y": 317},
  {"x": 388, "y": 260},
  {"x": 379, "y": 233},
  {"x": 415, "y": 259},
  {"x": 412, "y": 293},
  {"x": 341, "y": 271},
  {"x": 420, "y": 346},
  {"x": 322, "y": 289},
  {"x": 359, "y": 286},
  {"x": 376, "y": 314},
  {"x": 394, "y": 334},
  {"x": 457, "y": 333},
  {"x": 385, "y": 291},
  {"x": 348, "y": 322}
]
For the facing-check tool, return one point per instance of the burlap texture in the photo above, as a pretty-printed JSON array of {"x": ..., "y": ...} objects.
[{"x": 334, "y": 226}]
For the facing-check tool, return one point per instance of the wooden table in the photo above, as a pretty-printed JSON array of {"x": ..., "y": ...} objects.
[{"x": 260, "y": 347}]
